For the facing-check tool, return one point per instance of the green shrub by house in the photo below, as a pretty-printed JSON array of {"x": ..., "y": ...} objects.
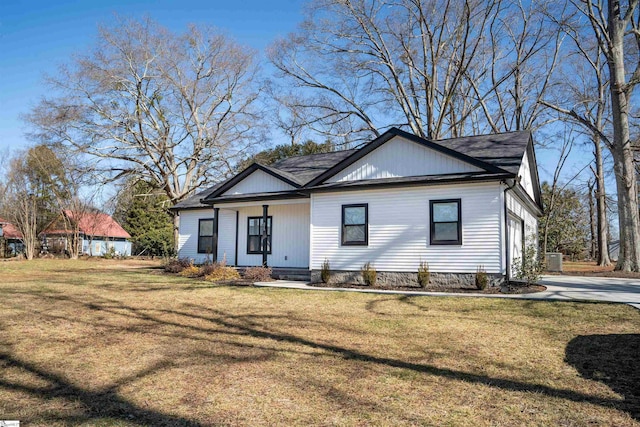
[
  {"x": 368, "y": 274},
  {"x": 423, "y": 274},
  {"x": 482, "y": 280},
  {"x": 325, "y": 272}
]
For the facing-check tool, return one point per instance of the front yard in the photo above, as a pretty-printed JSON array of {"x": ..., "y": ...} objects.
[{"x": 120, "y": 343}]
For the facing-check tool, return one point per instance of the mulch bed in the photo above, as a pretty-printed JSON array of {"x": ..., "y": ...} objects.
[
  {"x": 512, "y": 288},
  {"x": 614, "y": 274}
]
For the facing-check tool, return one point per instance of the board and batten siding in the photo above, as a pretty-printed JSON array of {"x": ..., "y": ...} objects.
[
  {"x": 399, "y": 229},
  {"x": 400, "y": 157},
  {"x": 258, "y": 182},
  {"x": 290, "y": 238},
  {"x": 188, "y": 234},
  {"x": 227, "y": 235}
]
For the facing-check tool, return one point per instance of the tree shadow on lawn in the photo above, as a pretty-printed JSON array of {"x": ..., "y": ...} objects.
[
  {"x": 612, "y": 359},
  {"x": 107, "y": 403}
]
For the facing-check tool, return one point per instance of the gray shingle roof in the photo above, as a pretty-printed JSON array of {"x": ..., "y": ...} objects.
[
  {"x": 193, "y": 202},
  {"x": 504, "y": 150},
  {"x": 306, "y": 168}
]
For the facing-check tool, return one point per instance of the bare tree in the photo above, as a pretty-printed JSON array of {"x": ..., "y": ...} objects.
[
  {"x": 580, "y": 96},
  {"x": 616, "y": 27},
  {"x": 437, "y": 67},
  {"x": 19, "y": 205},
  {"x": 176, "y": 110}
]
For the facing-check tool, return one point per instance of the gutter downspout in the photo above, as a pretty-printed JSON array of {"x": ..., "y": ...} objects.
[{"x": 506, "y": 228}]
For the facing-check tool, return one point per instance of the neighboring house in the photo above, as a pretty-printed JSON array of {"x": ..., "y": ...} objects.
[
  {"x": 456, "y": 204},
  {"x": 99, "y": 234},
  {"x": 614, "y": 250},
  {"x": 10, "y": 239}
]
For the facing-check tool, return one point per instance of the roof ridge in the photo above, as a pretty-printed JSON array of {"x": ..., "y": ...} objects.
[
  {"x": 480, "y": 135},
  {"x": 314, "y": 154}
]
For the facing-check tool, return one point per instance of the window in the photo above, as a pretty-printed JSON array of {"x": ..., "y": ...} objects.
[
  {"x": 446, "y": 226},
  {"x": 254, "y": 235},
  {"x": 205, "y": 236},
  {"x": 355, "y": 224}
]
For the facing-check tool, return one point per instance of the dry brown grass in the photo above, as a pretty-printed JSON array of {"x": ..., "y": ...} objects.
[
  {"x": 589, "y": 268},
  {"x": 117, "y": 343}
]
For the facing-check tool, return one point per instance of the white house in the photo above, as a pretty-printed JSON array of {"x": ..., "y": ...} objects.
[{"x": 456, "y": 204}]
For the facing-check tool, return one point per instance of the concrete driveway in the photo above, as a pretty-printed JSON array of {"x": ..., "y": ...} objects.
[
  {"x": 591, "y": 289},
  {"x": 562, "y": 288}
]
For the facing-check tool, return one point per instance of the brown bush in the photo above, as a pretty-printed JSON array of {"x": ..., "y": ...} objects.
[
  {"x": 192, "y": 271},
  {"x": 177, "y": 265},
  {"x": 258, "y": 274},
  {"x": 222, "y": 273}
]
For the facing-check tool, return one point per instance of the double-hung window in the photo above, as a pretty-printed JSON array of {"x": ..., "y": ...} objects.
[
  {"x": 355, "y": 225},
  {"x": 205, "y": 236},
  {"x": 446, "y": 223},
  {"x": 254, "y": 235}
]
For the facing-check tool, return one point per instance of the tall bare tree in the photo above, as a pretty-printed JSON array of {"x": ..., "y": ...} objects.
[
  {"x": 615, "y": 25},
  {"x": 580, "y": 95},
  {"x": 19, "y": 204},
  {"x": 176, "y": 110},
  {"x": 437, "y": 67}
]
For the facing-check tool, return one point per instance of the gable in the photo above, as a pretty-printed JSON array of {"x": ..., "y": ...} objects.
[
  {"x": 400, "y": 157},
  {"x": 526, "y": 175},
  {"x": 258, "y": 182}
]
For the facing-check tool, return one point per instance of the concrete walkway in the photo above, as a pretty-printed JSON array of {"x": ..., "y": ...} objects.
[{"x": 559, "y": 288}]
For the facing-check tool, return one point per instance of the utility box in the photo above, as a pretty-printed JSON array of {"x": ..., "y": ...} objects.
[{"x": 553, "y": 262}]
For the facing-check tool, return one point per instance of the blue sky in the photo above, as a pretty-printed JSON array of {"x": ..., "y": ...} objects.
[{"x": 37, "y": 36}]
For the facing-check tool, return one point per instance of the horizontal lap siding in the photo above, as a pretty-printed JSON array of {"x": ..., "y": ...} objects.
[
  {"x": 399, "y": 229},
  {"x": 188, "y": 234},
  {"x": 515, "y": 205}
]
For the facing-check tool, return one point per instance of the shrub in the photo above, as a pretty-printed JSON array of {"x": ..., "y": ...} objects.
[
  {"x": 110, "y": 254},
  {"x": 529, "y": 267},
  {"x": 258, "y": 274},
  {"x": 368, "y": 274},
  {"x": 191, "y": 271},
  {"x": 325, "y": 272},
  {"x": 223, "y": 273},
  {"x": 423, "y": 274},
  {"x": 482, "y": 280},
  {"x": 207, "y": 269},
  {"x": 177, "y": 265}
]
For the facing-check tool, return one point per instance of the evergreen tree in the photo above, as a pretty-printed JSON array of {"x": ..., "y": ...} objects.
[
  {"x": 279, "y": 152},
  {"x": 141, "y": 209}
]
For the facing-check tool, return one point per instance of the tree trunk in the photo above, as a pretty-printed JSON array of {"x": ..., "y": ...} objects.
[
  {"x": 602, "y": 238},
  {"x": 592, "y": 222},
  {"x": 629, "y": 221},
  {"x": 176, "y": 231}
]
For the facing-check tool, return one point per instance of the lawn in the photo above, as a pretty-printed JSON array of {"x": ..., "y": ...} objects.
[{"x": 106, "y": 342}]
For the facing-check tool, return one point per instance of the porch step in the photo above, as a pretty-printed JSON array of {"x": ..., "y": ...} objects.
[{"x": 301, "y": 274}]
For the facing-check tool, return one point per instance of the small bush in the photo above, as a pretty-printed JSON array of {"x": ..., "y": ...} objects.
[
  {"x": 207, "y": 269},
  {"x": 423, "y": 274},
  {"x": 482, "y": 280},
  {"x": 223, "y": 273},
  {"x": 529, "y": 267},
  {"x": 192, "y": 271},
  {"x": 110, "y": 254},
  {"x": 177, "y": 265},
  {"x": 258, "y": 274},
  {"x": 368, "y": 274},
  {"x": 325, "y": 272}
]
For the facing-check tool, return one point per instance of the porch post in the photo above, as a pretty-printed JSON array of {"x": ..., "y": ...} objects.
[
  {"x": 214, "y": 246},
  {"x": 265, "y": 238}
]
